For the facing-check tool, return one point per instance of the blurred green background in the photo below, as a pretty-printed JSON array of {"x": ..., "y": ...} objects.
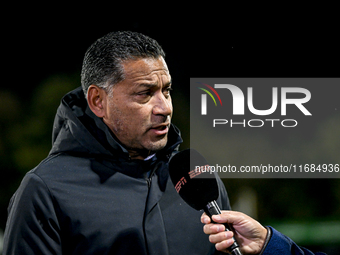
[{"x": 43, "y": 56}]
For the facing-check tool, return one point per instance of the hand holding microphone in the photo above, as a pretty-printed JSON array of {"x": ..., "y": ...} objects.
[
  {"x": 250, "y": 234},
  {"x": 198, "y": 188}
]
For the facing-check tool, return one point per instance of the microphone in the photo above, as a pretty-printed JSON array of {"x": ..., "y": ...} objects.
[{"x": 193, "y": 181}]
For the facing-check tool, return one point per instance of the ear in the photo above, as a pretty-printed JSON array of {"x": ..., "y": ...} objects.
[{"x": 96, "y": 99}]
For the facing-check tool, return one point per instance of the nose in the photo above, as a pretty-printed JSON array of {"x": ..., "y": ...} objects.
[{"x": 162, "y": 105}]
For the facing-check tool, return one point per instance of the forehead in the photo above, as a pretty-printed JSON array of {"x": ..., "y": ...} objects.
[{"x": 146, "y": 69}]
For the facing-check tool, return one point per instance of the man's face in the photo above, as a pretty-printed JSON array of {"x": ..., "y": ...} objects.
[{"x": 139, "y": 109}]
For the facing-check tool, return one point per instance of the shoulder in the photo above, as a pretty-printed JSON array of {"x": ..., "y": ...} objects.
[
  {"x": 32, "y": 195},
  {"x": 31, "y": 217},
  {"x": 57, "y": 173},
  {"x": 30, "y": 185},
  {"x": 60, "y": 166}
]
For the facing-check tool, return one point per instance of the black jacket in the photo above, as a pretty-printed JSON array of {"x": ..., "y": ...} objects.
[{"x": 89, "y": 197}]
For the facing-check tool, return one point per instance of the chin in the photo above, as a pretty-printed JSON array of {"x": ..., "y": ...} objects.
[{"x": 156, "y": 146}]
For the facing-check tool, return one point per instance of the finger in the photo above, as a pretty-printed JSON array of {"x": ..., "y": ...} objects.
[
  {"x": 213, "y": 228},
  {"x": 205, "y": 219},
  {"x": 220, "y": 237},
  {"x": 222, "y": 246}
]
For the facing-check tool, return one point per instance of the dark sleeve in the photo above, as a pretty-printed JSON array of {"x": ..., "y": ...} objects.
[
  {"x": 32, "y": 226},
  {"x": 280, "y": 244}
]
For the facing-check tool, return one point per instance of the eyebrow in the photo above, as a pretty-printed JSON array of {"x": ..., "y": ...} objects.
[{"x": 151, "y": 85}]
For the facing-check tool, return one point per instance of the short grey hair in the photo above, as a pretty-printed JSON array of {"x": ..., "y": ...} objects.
[{"x": 102, "y": 65}]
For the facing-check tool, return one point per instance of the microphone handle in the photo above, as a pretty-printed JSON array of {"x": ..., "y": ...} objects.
[{"x": 211, "y": 209}]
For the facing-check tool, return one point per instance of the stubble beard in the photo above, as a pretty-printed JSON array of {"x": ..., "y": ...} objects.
[{"x": 119, "y": 126}]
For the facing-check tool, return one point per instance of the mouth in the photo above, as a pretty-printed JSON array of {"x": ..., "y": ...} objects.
[{"x": 160, "y": 129}]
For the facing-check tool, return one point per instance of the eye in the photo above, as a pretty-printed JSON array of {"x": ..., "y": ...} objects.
[
  {"x": 144, "y": 93},
  {"x": 166, "y": 91}
]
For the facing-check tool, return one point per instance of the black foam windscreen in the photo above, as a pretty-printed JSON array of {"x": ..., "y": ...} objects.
[{"x": 191, "y": 176}]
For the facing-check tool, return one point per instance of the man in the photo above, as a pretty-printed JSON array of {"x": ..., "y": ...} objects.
[{"x": 104, "y": 187}]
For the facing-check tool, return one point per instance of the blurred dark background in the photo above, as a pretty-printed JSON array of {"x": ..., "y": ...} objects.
[{"x": 42, "y": 55}]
